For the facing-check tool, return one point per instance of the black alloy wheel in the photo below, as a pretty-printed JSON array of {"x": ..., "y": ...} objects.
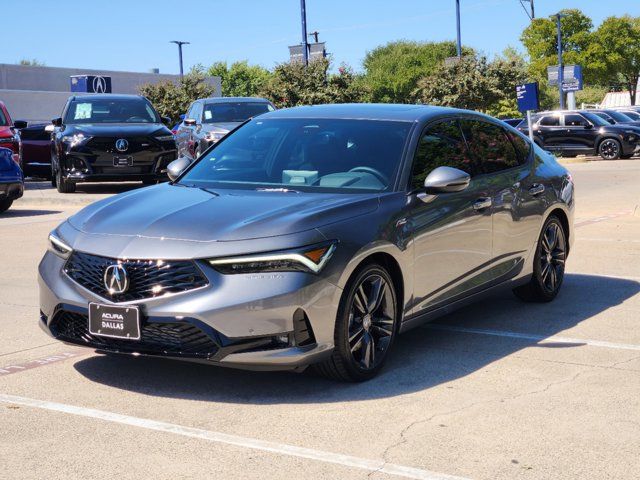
[
  {"x": 548, "y": 264},
  {"x": 610, "y": 149},
  {"x": 366, "y": 327}
]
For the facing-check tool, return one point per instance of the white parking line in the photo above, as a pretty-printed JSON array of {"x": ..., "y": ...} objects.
[
  {"x": 246, "y": 442},
  {"x": 539, "y": 338}
]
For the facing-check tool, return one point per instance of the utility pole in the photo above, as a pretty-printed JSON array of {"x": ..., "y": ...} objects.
[
  {"x": 315, "y": 36},
  {"x": 560, "y": 65},
  {"x": 459, "y": 44},
  {"x": 180, "y": 43},
  {"x": 305, "y": 43},
  {"x": 532, "y": 12}
]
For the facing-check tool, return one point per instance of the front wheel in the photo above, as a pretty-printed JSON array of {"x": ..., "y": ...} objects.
[
  {"x": 610, "y": 149},
  {"x": 62, "y": 184},
  {"x": 366, "y": 327},
  {"x": 548, "y": 264}
]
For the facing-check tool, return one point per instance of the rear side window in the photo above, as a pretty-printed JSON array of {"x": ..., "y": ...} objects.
[
  {"x": 441, "y": 145},
  {"x": 490, "y": 146},
  {"x": 523, "y": 148},
  {"x": 550, "y": 121},
  {"x": 574, "y": 120}
]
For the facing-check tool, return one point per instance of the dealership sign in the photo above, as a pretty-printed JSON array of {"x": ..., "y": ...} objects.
[{"x": 90, "y": 84}]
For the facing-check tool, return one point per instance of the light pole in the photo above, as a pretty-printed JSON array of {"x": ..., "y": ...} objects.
[
  {"x": 180, "y": 43},
  {"x": 532, "y": 13},
  {"x": 459, "y": 44},
  {"x": 305, "y": 42},
  {"x": 560, "y": 65}
]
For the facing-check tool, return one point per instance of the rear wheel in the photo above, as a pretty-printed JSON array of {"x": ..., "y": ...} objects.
[
  {"x": 5, "y": 204},
  {"x": 365, "y": 329},
  {"x": 548, "y": 264},
  {"x": 610, "y": 149}
]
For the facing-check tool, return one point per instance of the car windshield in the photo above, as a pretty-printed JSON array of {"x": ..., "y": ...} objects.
[
  {"x": 618, "y": 117},
  {"x": 121, "y": 110},
  {"x": 305, "y": 155},
  {"x": 595, "y": 119},
  {"x": 233, "y": 112},
  {"x": 632, "y": 115}
]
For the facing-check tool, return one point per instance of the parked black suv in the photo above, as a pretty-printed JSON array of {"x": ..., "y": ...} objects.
[
  {"x": 580, "y": 132},
  {"x": 108, "y": 138}
]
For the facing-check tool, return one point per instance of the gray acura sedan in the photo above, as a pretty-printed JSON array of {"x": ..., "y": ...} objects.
[{"x": 313, "y": 236}]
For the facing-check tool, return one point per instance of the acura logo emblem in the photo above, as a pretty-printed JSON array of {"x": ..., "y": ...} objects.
[
  {"x": 99, "y": 85},
  {"x": 116, "y": 279},
  {"x": 122, "y": 145}
]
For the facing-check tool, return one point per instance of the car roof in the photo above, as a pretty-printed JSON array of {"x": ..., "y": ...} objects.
[
  {"x": 106, "y": 96},
  {"x": 234, "y": 100},
  {"x": 366, "y": 111}
]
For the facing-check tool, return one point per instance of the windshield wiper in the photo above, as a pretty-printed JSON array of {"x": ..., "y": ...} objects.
[
  {"x": 188, "y": 185},
  {"x": 280, "y": 189}
]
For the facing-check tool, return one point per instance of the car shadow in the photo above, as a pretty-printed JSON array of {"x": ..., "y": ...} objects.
[
  {"x": 423, "y": 358},
  {"x": 21, "y": 212},
  {"x": 85, "y": 188}
]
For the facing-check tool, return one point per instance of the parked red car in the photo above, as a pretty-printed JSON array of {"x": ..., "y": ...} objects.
[{"x": 9, "y": 137}]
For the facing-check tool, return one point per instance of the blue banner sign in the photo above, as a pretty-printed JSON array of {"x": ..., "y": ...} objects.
[{"x": 528, "y": 97}]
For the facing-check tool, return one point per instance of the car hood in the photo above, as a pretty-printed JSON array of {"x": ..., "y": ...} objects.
[
  {"x": 186, "y": 213},
  {"x": 114, "y": 129},
  {"x": 220, "y": 127}
]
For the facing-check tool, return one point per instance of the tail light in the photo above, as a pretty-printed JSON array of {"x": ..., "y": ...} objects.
[{"x": 12, "y": 143}]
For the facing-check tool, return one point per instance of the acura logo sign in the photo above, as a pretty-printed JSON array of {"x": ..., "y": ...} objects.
[
  {"x": 99, "y": 85},
  {"x": 116, "y": 279},
  {"x": 122, "y": 145}
]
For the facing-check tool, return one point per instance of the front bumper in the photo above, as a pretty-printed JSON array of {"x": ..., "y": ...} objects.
[{"x": 236, "y": 321}]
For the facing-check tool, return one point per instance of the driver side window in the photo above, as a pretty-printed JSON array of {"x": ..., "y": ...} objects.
[{"x": 441, "y": 145}]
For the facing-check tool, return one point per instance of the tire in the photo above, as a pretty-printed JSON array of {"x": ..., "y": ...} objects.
[
  {"x": 53, "y": 177},
  {"x": 548, "y": 264},
  {"x": 610, "y": 149},
  {"x": 365, "y": 329},
  {"x": 63, "y": 185},
  {"x": 5, "y": 205}
]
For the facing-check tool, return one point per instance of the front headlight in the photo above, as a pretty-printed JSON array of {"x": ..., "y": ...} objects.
[
  {"x": 310, "y": 259},
  {"x": 214, "y": 136},
  {"x": 165, "y": 138},
  {"x": 58, "y": 246},
  {"x": 74, "y": 140}
]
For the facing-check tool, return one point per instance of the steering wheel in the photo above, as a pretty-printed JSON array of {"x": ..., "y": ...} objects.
[{"x": 376, "y": 173}]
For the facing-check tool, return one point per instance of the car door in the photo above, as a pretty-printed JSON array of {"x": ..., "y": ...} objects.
[
  {"x": 505, "y": 161},
  {"x": 451, "y": 232},
  {"x": 550, "y": 131},
  {"x": 579, "y": 133}
]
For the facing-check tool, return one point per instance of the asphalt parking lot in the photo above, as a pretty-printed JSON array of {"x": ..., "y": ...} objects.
[{"x": 498, "y": 390}]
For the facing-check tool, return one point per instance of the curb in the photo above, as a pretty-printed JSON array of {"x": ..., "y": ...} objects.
[
  {"x": 569, "y": 161},
  {"x": 48, "y": 202}
]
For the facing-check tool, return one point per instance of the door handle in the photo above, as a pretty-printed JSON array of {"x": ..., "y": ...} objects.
[
  {"x": 482, "y": 203},
  {"x": 536, "y": 189}
]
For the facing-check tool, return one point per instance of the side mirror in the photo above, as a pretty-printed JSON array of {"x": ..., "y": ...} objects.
[
  {"x": 57, "y": 122},
  {"x": 190, "y": 121},
  {"x": 166, "y": 120},
  {"x": 446, "y": 180},
  {"x": 19, "y": 124},
  {"x": 175, "y": 168},
  {"x": 588, "y": 126}
]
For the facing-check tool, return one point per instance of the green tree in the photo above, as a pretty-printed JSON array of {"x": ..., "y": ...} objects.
[
  {"x": 540, "y": 39},
  {"x": 172, "y": 99},
  {"x": 476, "y": 84},
  {"x": 34, "y": 62},
  {"x": 240, "y": 79},
  {"x": 294, "y": 84},
  {"x": 393, "y": 70},
  {"x": 615, "y": 53}
]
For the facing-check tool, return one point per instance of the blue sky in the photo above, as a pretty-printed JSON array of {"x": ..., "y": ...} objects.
[{"x": 135, "y": 34}]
